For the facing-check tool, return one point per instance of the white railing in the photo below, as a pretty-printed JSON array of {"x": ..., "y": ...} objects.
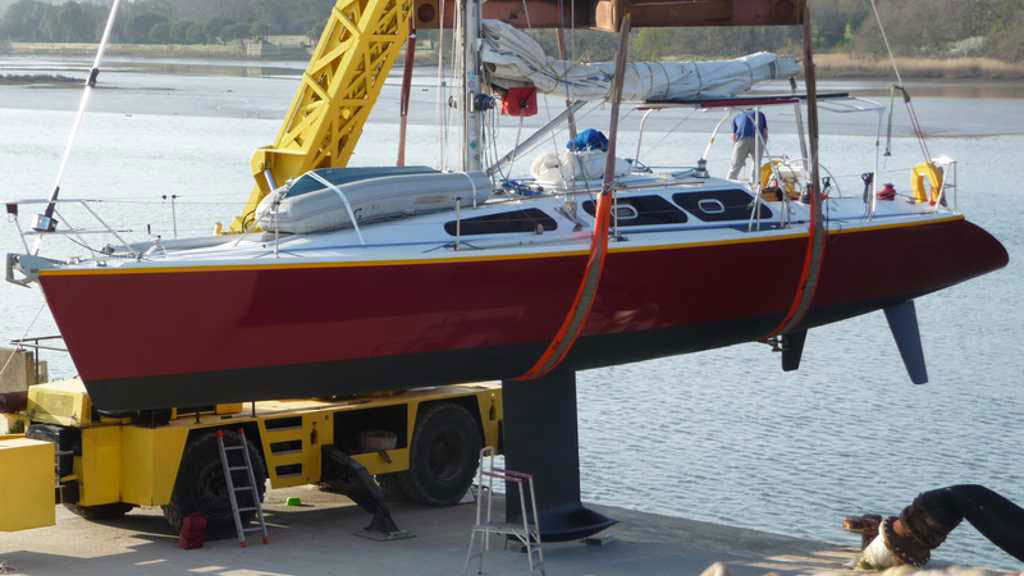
[{"x": 13, "y": 213}]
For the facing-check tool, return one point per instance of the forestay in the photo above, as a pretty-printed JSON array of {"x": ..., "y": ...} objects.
[{"x": 513, "y": 58}]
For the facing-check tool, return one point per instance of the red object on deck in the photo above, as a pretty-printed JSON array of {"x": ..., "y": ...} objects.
[
  {"x": 520, "y": 102},
  {"x": 193, "y": 531},
  {"x": 887, "y": 193}
]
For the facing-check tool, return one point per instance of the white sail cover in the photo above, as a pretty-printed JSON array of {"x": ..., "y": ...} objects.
[{"x": 513, "y": 59}]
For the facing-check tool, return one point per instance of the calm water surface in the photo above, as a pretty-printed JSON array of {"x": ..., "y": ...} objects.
[{"x": 722, "y": 436}]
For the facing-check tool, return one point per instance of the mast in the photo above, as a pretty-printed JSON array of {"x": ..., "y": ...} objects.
[{"x": 472, "y": 122}]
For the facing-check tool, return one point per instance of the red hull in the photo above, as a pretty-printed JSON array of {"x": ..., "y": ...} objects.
[{"x": 154, "y": 339}]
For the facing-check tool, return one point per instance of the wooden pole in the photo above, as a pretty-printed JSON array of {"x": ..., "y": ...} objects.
[
  {"x": 410, "y": 56},
  {"x": 613, "y": 128},
  {"x": 810, "y": 79},
  {"x": 817, "y": 232}
]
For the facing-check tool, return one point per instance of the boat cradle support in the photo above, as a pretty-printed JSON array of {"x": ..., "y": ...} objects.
[{"x": 541, "y": 438}]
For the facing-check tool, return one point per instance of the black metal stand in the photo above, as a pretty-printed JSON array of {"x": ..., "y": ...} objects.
[
  {"x": 353, "y": 480},
  {"x": 541, "y": 438}
]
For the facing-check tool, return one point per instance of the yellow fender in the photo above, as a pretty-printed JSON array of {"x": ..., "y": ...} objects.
[{"x": 930, "y": 192}]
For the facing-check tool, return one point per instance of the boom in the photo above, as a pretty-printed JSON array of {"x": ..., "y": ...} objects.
[{"x": 359, "y": 46}]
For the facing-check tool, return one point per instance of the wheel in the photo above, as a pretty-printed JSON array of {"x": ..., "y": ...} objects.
[
  {"x": 445, "y": 447},
  {"x": 201, "y": 486},
  {"x": 102, "y": 512}
]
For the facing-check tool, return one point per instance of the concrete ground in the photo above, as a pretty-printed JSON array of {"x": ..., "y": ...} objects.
[{"x": 317, "y": 538}]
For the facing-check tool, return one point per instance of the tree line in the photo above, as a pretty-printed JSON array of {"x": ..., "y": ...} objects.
[
  {"x": 162, "y": 21},
  {"x": 923, "y": 28},
  {"x": 939, "y": 28}
]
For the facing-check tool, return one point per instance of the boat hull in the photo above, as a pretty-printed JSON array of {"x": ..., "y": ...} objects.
[{"x": 198, "y": 336}]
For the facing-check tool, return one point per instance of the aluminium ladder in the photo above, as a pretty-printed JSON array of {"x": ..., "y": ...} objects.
[
  {"x": 233, "y": 490},
  {"x": 526, "y": 532}
]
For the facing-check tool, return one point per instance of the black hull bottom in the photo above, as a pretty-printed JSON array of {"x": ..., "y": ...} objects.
[{"x": 357, "y": 377}]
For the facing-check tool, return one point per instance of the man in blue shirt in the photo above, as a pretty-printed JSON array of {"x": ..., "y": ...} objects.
[{"x": 743, "y": 133}]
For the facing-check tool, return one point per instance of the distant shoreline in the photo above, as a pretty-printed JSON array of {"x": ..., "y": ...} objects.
[
  {"x": 233, "y": 50},
  {"x": 846, "y": 66},
  {"x": 830, "y": 66}
]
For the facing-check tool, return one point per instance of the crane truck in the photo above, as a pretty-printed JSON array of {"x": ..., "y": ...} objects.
[{"x": 422, "y": 442}]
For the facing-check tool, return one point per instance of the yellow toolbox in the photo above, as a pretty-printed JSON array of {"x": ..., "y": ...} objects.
[{"x": 27, "y": 481}]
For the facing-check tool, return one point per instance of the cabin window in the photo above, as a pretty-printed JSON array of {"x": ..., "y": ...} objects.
[
  {"x": 711, "y": 206},
  {"x": 643, "y": 211},
  {"x": 626, "y": 212},
  {"x": 720, "y": 205},
  {"x": 529, "y": 220}
]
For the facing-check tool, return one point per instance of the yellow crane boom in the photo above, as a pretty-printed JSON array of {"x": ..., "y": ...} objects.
[{"x": 359, "y": 46}]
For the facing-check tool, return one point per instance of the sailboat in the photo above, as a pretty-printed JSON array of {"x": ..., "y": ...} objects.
[{"x": 352, "y": 280}]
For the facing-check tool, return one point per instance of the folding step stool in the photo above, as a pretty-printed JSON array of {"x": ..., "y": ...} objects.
[{"x": 528, "y": 533}]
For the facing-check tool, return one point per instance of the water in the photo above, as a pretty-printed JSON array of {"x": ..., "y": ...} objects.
[{"x": 721, "y": 436}]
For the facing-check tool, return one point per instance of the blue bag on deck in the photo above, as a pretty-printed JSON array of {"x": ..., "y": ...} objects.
[{"x": 588, "y": 139}]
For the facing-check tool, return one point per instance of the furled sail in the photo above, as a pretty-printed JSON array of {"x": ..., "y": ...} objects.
[{"x": 513, "y": 58}]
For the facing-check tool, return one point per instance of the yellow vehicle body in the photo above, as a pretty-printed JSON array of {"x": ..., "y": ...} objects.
[
  {"x": 118, "y": 461},
  {"x": 123, "y": 462}
]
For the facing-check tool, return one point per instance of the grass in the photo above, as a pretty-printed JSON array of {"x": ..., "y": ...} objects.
[
  {"x": 26, "y": 79},
  {"x": 848, "y": 66}
]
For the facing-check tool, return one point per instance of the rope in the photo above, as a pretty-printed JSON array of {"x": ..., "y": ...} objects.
[
  {"x": 344, "y": 200},
  {"x": 10, "y": 358}
]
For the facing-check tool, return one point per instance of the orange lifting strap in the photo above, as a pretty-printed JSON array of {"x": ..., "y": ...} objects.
[
  {"x": 574, "y": 322},
  {"x": 578, "y": 314}
]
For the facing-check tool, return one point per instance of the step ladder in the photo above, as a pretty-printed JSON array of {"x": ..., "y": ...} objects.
[
  {"x": 233, "y": 490},
  {"x": 526, "y": 532}
]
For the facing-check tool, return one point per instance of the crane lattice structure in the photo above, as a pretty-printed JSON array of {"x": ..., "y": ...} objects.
[{"x": 359, "y": 46}]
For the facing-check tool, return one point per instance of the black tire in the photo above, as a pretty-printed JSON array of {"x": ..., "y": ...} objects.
[
  {"x": 201, "y": 487},
  {"x": 102, "y": 512},
  {"x": 445, "y": 450}
]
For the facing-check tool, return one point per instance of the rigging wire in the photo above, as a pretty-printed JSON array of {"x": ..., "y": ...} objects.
[
  {"x": 71, "y": 229},
  {"x": 911, "y": 111},
  {"x": 559, "y": 130},
  {"x": 674, "y": 128}
]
